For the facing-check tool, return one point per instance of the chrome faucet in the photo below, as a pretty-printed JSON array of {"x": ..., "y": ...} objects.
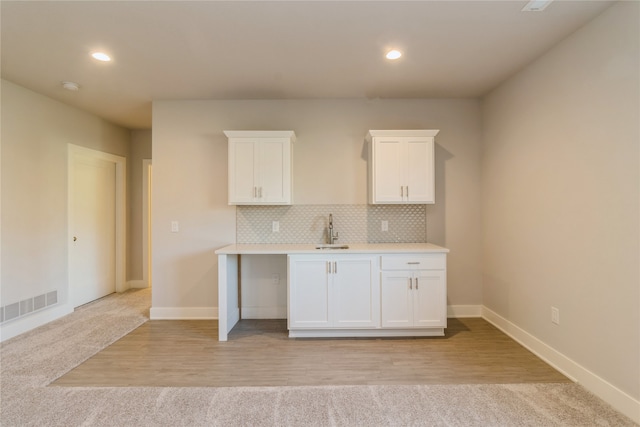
[{"x": 331, "y": 236}]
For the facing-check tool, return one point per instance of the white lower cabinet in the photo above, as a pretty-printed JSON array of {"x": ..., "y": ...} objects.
[
  {"x": 333, "y": 295},
  {"x": 414, "y": 291},
  {"x": 413, "y": 299},
  {"x": 333, "y": 291}
]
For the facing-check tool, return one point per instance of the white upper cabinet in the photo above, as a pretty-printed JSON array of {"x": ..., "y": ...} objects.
[
  {"x": 260, "y": 167},
  {"x": 401, "y": 166}
]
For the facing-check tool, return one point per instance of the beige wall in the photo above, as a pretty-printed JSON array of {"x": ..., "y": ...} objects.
[
  {"x": 190, "y": 179},
  {"x": 554, "y": 223},
  {"x": 139, "y": 151},
  {"x": 35, "y": 134},
  {"x": 560, "y": 173}
]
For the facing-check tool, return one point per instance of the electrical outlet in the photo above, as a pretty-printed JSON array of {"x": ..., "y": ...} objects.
[
  {"x": 175, "y": 226},
  {"x": 555, "y": 315},
  {"x": 275, "y": 278},
  {"x": 275, "y": 226},
  {"x": 384, "y": 225}
]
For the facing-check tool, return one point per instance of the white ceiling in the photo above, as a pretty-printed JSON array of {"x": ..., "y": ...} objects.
[{"x": 272, "y": 50}]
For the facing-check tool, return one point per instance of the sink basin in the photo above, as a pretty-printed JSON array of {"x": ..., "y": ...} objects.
[{"x": 334, "y": 246}]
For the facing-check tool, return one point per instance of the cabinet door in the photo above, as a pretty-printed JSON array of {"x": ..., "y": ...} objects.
[
  {"x": 308, "y": 293},
  {"x": 356, "y": 293},
  {"x": 420, "y": 171},
  {"x": 397, "y": 300},
  {"x": 259, "y": 171},
  {"x": 389, "y": 167},
  {"x": 242, "y": 172},
  {"x": 430, "y": 299},
  {"x": 403, "y": 170},
  {"x": 274, "y": 180}
]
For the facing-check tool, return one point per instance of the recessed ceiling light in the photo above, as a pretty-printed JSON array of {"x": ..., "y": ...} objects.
[
  {"x": 101, "y": 56},
  {"x": 536, "y": 5},
  {"x": 72, "y": 86},
  {"x": 393, "y": 54}
]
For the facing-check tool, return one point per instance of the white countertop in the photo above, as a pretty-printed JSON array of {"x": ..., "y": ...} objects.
[{"x": 276, "y": 249}]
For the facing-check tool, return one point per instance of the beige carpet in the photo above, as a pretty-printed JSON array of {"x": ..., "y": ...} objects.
[{"x": 30, "y": 362}]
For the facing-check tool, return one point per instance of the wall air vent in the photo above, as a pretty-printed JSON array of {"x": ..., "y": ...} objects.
[{"x": 27, "y": 306}]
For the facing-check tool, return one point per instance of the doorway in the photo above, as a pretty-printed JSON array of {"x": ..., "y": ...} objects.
[{"x": 96, "y": 224}]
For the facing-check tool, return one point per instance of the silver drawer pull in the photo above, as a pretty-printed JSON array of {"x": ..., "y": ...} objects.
[
  {"x": 417, "y": 262},
  {"x": 410, "y": 283},
  {"x": 416, "y": 283}
]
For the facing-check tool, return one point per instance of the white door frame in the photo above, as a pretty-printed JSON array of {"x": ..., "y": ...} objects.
[
  {"x": 120, "y": 214},
  {"x": 147, "y": 182}
]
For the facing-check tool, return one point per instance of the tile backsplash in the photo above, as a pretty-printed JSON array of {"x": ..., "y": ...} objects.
[{"x": 354, "y": 223}]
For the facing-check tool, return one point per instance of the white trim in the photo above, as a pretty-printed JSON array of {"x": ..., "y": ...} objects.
[
  {"x": 24, "y": 324},
  {"x": 364, "y": 333},
  {"x": 137, "y": 284},
  {"x": 461, "y": 311},
  {"x": 261, "y": 134},
  {"x": 453, "y": 311},
  {"x": 183, "y": 313},
  {"x": 606, "y": 391},
  {"x": 121, "y": 209},
  {"x": 146, "y": 220},
  {"x": 402, "y": 132}
]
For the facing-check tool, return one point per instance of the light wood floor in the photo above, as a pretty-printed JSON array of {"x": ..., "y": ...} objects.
[{"x": 186, "y": 353}]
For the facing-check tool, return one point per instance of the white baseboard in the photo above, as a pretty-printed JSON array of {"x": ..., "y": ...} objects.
[
  {"x": 177, "y": 313},
  {"x": 137, "y": 284},
  {"x": 264, "y": 312},
  {"x": 24, "y": 324},
  {"x": 606, "y": 391},
  {"x": 365, "y": 333},
  {"x": 281, "y": 312},
  {"x": 274, "y": 312},
  {"x": 464, "y": 311}
]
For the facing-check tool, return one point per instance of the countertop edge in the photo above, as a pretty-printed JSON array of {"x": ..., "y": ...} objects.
[{"x": 286, "y": 249}]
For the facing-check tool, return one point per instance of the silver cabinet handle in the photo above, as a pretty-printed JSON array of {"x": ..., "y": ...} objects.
[
  {"x": 410, "y": 283},
  {"x": 413, "y": 262},
  {"x": 335, "y": 267},
  {"x": 416, "y": 283},
  {"x": 407, "y": 191},
  {"x": 401, "y": 191},
  {"x": 260, "y": 192}
]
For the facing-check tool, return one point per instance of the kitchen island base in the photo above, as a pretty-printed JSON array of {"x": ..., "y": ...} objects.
[{"x": 366, "y": 290}]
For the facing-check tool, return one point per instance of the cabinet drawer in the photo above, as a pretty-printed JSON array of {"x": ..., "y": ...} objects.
[{"x": 414, "y": 262}]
